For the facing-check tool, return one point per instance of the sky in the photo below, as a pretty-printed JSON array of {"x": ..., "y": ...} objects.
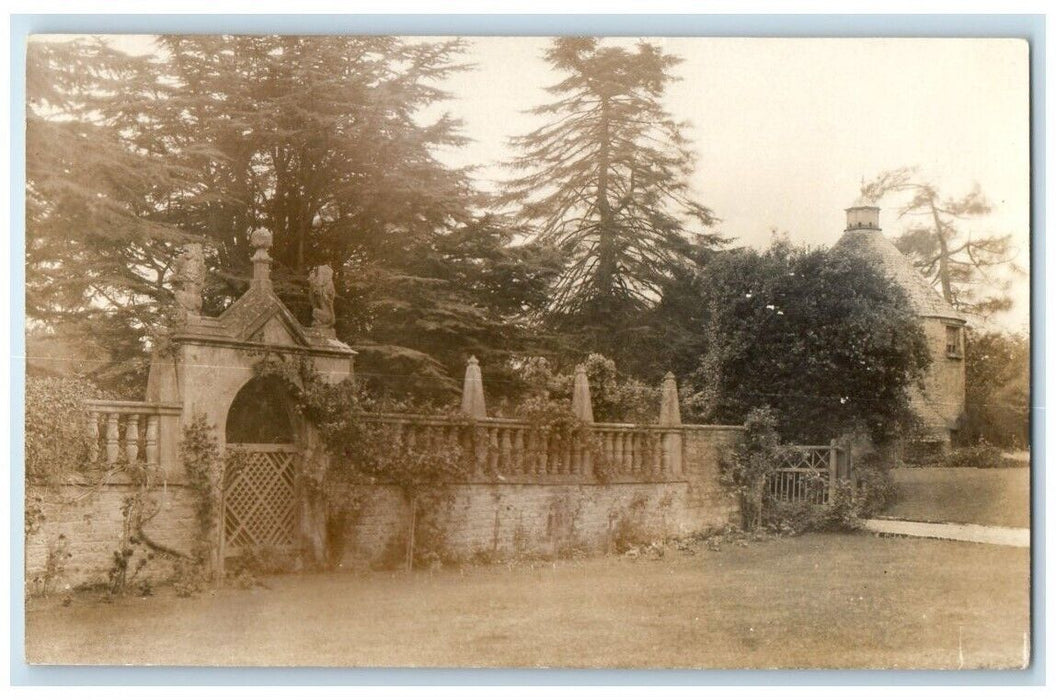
[{"x": 785, "y": 130}]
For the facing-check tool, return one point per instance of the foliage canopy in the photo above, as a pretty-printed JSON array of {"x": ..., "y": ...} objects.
[{"x": 824, "y": 339}]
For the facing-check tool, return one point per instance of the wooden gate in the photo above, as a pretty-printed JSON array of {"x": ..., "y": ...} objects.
[
  {"x": 259, "y": 503},
  {"x": 809, "y": 473}
]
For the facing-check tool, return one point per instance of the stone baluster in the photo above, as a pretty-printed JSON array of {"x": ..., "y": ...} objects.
[
  {"x": 518, "y": 451},
  {"x": 577, "y": 454},
  {"x": 539, "y": 451},
  {"x": 506, "y": 450},
  {"x": 150, "y": 441},
  {"x": 493, "y": 449},
  {"x": 628, "y": 453},
  {"x": 132, "y": 438},
  {"x": 586, "y": 462},
  {"x": 480, "y": 450},
  {"x": 93, "y": 431},
  {"x": 112, "y": 435},
  {"x": 553, "y": 454},
  {"x": 636, "y": 447},
  {"x": 656, "y": 454},
  {"x": 617, "y": 451}
]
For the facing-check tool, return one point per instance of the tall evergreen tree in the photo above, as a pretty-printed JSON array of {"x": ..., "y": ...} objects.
[
  {"x": 320, "y": 139},
  {"x": 605, "y": 182},
  {"x": 97, "y": 251}
]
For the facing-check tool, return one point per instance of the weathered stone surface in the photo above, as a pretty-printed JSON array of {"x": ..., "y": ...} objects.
[
  {"x": 581, "y": 405},
  {"x": 321, "y": 295},
  {"x": 473, "y": 391},
  {"x": 487, "y": 518}
]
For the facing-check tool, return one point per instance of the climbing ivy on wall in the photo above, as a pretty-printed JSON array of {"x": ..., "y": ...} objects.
[{"x": 365, "y": 453}]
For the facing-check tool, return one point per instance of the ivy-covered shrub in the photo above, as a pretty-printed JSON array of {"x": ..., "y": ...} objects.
[
  {"x": 205, "y": 468},
  {"x": 365, "y": 452},
  {"x": 58, "y": 438},
  {"x": 745, "y": 471},
  {"x": 617, "y": 398},
  {"x": 614, "y": 396},
  {"x": 876, "y": 488}
]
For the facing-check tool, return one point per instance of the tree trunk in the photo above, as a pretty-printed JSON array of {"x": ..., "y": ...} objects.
[
  {"x": 944, "y": 254},
  {"x": 606, "y": 235}
]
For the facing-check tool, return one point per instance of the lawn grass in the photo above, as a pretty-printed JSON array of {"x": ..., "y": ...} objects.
[
  {"x": 959, "y": 495},
  {"x": 817, "y": 601}
]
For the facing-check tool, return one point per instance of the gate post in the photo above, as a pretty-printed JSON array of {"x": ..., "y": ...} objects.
[{"x": 833, "y": 469}]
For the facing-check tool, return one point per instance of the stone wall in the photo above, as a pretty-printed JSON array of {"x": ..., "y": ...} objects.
[
  {"x": 91, "y": 522},
  {"x": 940, "y": 404},
  {"x": 492, "y": 522},
  {"x": 489, "y": 521},
  {"x": 486, "y": 520}
]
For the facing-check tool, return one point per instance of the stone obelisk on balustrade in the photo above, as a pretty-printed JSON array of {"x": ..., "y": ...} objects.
[
  {"x": 473, "y": 391},
  {"x": 671, "y": 418},
  {"x": 581, "y": 405}
]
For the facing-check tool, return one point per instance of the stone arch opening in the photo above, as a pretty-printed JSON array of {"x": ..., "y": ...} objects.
[{"x": 260, "y": 414}]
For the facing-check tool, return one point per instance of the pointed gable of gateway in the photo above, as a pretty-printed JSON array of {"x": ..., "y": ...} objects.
[{"x": 864, "y": 238}]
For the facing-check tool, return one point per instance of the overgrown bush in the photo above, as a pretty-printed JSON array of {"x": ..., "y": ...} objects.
[
  {"x": 997, "y": 389},
  {"x": 981, "y": 456},
  {"x": 745, "y": 471},
  {"x": 876, "y": 488},
  {"x": 58, "y": 439},
  {"x": 614, "y": 396}
]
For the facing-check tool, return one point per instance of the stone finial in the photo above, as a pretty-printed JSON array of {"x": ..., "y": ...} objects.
[
  {"x": 260, "y": 239},
  {"x": 581, "y": 405},
  {"x": 669, "y": 412},
  {"x": 321, "y": 296},
  {"x": 473, "y": 391},
  {"x": 190, "y": 278}
]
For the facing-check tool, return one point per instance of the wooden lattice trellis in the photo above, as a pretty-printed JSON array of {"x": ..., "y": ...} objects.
[{"x": 259, "y": 499}]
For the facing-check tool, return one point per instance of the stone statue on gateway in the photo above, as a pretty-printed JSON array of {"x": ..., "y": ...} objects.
[
  {"x": 321, "y": 296},
  {"x": 189, "y": 274}
]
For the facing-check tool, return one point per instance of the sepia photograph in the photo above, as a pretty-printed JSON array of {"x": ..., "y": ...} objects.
[{"x": 527, "y": 352}]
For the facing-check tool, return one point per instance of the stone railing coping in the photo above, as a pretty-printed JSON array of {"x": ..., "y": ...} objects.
[
  {"x": 140, "y": 407},
  {"x": 425, "y": 419}
]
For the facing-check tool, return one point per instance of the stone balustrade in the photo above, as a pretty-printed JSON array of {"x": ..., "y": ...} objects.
[
  {"x": 505, "y": 449},
  {"x": 131, "y": 431}
]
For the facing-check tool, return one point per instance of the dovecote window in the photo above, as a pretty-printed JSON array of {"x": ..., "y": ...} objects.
[{"x": 954, "y": 342}]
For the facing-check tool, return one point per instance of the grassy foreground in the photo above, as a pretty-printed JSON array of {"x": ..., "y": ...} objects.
[
  {"x": 959, "y": 495},
  {"x": 818, "y": 601}
]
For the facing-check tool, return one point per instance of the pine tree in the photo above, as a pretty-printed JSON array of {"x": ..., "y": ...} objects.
[
  {"x": 958, "y": 264},
  {"x": 97, "y": 246},
  {"x": 605, "y": 182}
]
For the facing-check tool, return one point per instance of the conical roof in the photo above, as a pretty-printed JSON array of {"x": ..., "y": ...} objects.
[{"x": 871, "y": 244}]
